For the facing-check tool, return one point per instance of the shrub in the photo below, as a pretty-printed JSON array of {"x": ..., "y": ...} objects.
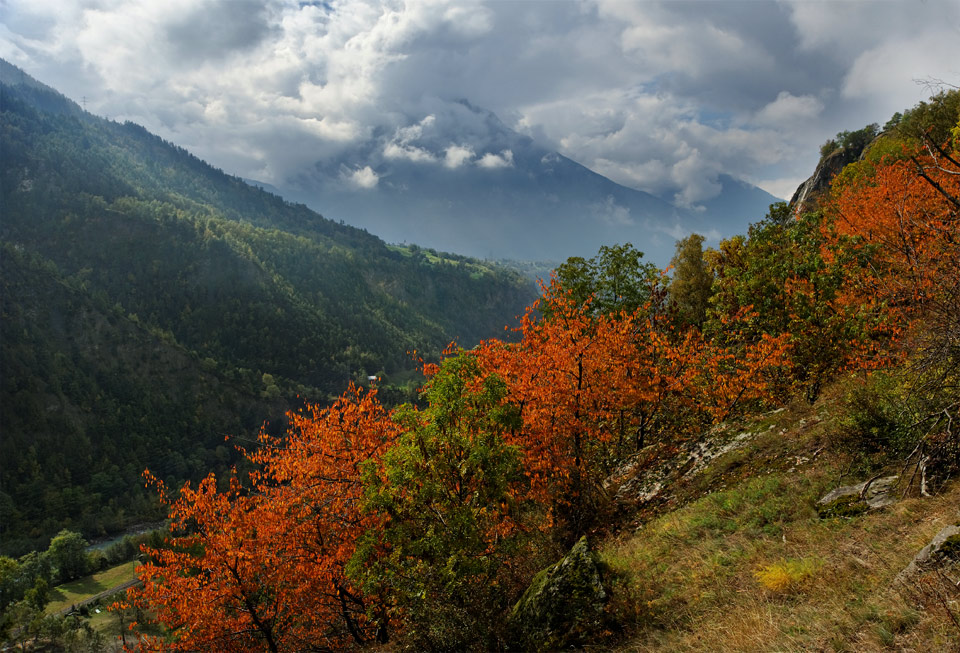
[{"x": 878, "y": 424}]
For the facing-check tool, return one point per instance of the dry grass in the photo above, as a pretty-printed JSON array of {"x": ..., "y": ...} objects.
[{"x": 752, "y": 568}]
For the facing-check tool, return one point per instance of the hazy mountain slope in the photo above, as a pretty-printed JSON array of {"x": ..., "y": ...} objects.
[
  {"x": 518, "y": 200},
  {"x": 88, "y": 193}
]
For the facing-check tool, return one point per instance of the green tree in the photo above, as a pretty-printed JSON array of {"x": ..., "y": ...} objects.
[
  {"x": 68, "y": 555},
  {"x": 9, "y": 581},
  {"x": 690, "y": 288},
  {"x": 39, "y": 595},
  {"x": 615, "y": 280},
  {"x": 786, "y": 278},
  {"x": 447, "y": 496}
]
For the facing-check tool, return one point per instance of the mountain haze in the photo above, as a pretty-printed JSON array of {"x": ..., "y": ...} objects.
[{"x": 460, "y": 180}]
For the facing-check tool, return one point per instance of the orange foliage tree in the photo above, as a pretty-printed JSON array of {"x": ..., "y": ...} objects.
[
  {"x": 909, "y": 208},
  {"x": 260, "y": 566},
  {"x": 906, "y": 205},
  {"x": 594, "y": 388}
]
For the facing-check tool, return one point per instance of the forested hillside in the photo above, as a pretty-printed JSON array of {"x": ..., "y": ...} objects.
[
  {"x": 91, "y": 397},
  {"x": 153, "y": 304}
]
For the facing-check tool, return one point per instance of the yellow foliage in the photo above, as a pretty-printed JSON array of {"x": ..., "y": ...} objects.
[{"x": 787, "y": 575}]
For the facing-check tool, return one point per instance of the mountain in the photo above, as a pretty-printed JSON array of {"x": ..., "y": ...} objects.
[
  {"x": 485, "y": 190},
  {"x": 152, "y": 304}
]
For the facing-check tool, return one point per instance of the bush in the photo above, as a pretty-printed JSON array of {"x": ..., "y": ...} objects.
[
  {"x": 447, "y": 497},
  {"x": 878, "y": 427}
]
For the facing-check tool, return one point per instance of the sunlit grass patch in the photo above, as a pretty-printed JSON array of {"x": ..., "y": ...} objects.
[
  {"x": 788, "y": 575},
  {"x": 63, "y": 596}
]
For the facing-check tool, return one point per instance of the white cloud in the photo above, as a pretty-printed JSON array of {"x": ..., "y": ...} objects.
[
  {"x": 409, "y": 152},
  {"x": 783, "y": 188},
  {"x": 612, "y": 213},
  {"x": 695, "y": 180},
  {"x": 457, "y": 155},
  {"x": 845, "y": 30},
  {"x": 402, "y": 147},
  {"x": 361, "y": 178},
  {"x": 891, "y": 76},
  {"x": 788, "y": 109},
  {"x": 491, "y": 160}
]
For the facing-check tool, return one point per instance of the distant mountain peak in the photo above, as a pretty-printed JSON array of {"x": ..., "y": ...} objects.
[{"x": 458, "y": 179}]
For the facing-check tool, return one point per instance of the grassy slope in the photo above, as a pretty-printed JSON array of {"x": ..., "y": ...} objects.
[{"x": 745, "y": 564}]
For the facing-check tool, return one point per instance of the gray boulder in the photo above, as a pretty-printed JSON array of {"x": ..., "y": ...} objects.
[
  {"x": 943, "y": 551},
  {"x": 563, "y": 606},
  {"x": 851, "y": 500}
]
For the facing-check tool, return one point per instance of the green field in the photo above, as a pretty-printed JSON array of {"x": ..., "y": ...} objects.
[{"x": 63, "y": 596}]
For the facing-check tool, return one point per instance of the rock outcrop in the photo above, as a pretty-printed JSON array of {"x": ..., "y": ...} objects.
[
  {"x": 651, "y": 474},
  {"x": 563, "y": 606},
  {"x": 943, "y": 551},
  {"x": 807, "y": 195},
  {"x": 852, "y": 500}
]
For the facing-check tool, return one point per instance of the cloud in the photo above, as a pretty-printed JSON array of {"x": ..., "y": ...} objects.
[
  {"x": 458, "y": 155},
  {"x": 695, "y": 180},
  {"x": 788, "y": 109},
  {"x": 361, "y": 178},
  {"x": 892, "y": 75},
  {"x": 612, "y": 213},
  {"x": 402, "y": 147},
  {"x": 658, "y": 95},
  {"x": 783, "y": 188},
  {"x": 492, "y": 161}
]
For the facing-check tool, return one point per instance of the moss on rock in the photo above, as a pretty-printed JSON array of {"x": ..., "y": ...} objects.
[
  {"x": 849, "y": 505},
  {"x": 563, "y": 605},
  {"x": 950, "y": 549}
]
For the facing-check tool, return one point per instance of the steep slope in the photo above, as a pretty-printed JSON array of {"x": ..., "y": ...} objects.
[
  {"x": 730, "y": 553},
  {"x": 90, "y": 397},
  {"x": 232, "y": 271}
]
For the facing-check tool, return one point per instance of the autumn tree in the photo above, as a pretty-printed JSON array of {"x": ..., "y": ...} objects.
[
  {"x": 790, "y": 277},
  {"x": 903, "y": 201},
  {"x": 260, "y": 565},
  {"x": 592, "y": 389},
  {"x": 907, "y": 207}
]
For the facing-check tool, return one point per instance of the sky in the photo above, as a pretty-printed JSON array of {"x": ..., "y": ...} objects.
[{"x": 662, "y": 96}]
